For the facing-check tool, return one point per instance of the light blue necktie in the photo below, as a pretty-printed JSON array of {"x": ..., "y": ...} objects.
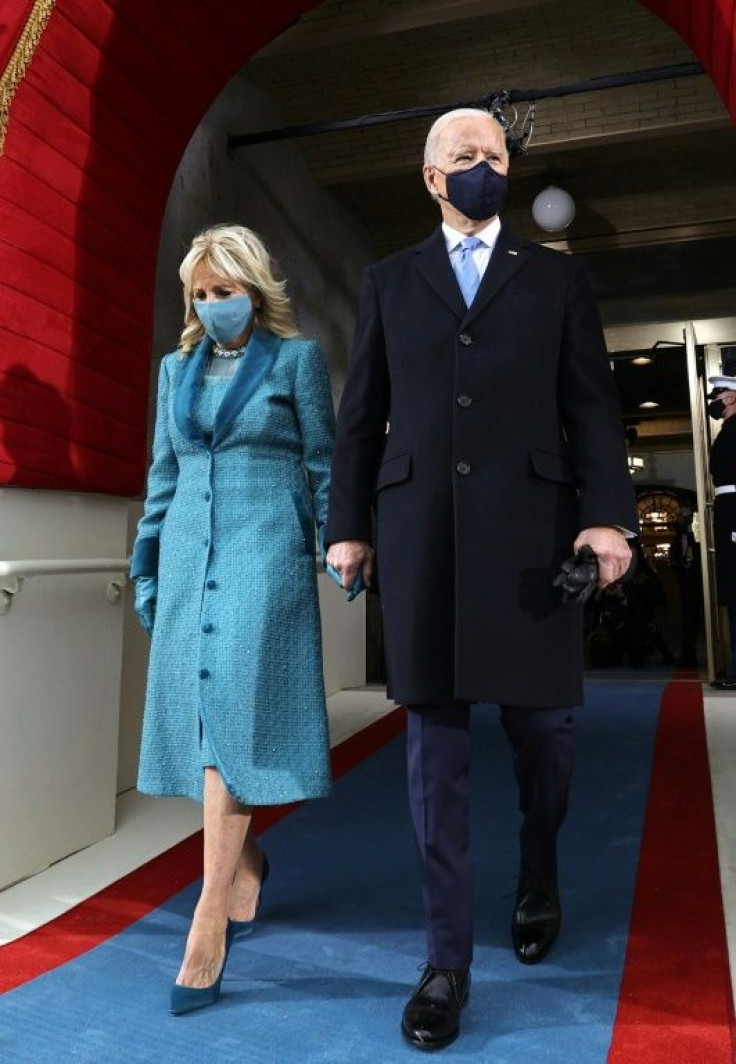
[{"x": 465, "y": 269}]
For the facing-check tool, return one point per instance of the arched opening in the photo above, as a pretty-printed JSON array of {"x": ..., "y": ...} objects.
[
  {"x": 108, "y": 207},
  {"x": 102, "y": 109},
  {"x": 98, "y": 124}
]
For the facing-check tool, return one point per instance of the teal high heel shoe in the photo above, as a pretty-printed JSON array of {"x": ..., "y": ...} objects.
[
  {"x": 243, "y": 927},
  {"x": 188, "y": 998}
]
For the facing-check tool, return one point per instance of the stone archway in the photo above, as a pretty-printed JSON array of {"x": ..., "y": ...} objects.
[{"x": 97, "y": 104}]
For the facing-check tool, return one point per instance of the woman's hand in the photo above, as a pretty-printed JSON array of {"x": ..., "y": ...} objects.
[
  {"x": 146, "y": 590},
  {"x": 349, "y": 558}
]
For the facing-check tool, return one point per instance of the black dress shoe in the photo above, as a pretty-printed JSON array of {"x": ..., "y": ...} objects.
[
  {"x": 537, "y": 917},
  {"x": 431, "y": 1017}
]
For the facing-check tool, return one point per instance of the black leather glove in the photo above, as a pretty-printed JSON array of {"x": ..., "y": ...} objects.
[{"x": 578, "y": 576}]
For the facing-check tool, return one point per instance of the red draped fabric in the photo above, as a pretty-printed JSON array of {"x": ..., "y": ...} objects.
[
  {"x": 13, "y": 17},
  {"x": 98, "y": 124},
  {"x": 709, "y": 27}
]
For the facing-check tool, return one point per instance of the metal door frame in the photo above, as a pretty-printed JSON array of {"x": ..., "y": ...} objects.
[{"x": 698, "y": 371}]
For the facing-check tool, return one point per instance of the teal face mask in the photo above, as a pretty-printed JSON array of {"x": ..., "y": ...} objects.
[{"x": 224, "y": 320}]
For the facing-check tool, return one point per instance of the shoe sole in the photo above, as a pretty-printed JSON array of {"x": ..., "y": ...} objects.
[
  {"x": 427, "y": 1047},
  {"x": 540, "y": 956}
]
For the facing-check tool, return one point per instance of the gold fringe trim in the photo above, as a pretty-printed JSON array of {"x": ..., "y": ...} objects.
[{"x": 21, "y": 60}]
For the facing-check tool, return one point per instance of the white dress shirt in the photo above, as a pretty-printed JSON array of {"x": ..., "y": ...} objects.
[{"x": 481, "y": 256}]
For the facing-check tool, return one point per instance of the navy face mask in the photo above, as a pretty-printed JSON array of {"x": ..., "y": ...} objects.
[
  {"x": 716, "y": 409},
  {"x": 478, "y": 193}
]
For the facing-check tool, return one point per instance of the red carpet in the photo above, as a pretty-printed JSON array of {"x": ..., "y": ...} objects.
[
  {"x": 119, "y": 905},
  {"x": 675, "y": 1004},
  {"x": 675, "y": 1001}
]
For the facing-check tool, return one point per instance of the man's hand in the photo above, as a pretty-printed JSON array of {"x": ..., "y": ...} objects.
[
  {"x": 348, "y": 558},
  {"x": 613, "y": 550}
]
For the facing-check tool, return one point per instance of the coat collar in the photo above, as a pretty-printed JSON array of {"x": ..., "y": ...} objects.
[
  {"x": 509, "y": 254},
  {"x": 253, "y": 368},
  {"x": 433, "y": 263}
]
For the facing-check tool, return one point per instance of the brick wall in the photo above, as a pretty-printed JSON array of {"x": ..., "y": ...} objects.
[{"x": 528, "y": 47}]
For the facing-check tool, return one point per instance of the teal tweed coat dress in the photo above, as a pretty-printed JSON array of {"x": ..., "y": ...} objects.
[{"x": 235, "y": 673}]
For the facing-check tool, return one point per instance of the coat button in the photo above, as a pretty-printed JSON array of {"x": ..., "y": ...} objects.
[
  {"x": 464, "y": 400},
  {"x": 207, "y": 628},
  {"x": 211, "y": 585},
  {"x": 204, "y": 674},
  {"x": 207, "y": 496},
  {"x": 205, "y": 542},
  {"x": 465, "y": 338},
  {"x": 463, "y": 468}
]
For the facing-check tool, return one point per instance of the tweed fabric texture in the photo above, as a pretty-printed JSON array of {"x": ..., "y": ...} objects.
[{"x": 235, "y": 673}]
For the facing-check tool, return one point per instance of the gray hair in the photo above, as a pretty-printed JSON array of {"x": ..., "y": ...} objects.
[{"x": 433, "y": 137}]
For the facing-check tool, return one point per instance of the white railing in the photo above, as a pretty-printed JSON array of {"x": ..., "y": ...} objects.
[{"x": 14, "y": 572}]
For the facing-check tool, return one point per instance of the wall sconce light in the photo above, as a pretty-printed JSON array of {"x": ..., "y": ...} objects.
[
  {"x": 553, "y": 209},
  {"x": 648, "y": 404}
]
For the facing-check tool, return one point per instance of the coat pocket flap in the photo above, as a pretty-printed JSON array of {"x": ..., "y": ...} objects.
[
  {"x": 553, "y": 466},
  {"x": 394, "y": 471}
]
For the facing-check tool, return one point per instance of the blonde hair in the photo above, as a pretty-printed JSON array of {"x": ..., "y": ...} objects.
[
  {"x": 238, "y": 255},
  {"x": 433, "y": 137}
]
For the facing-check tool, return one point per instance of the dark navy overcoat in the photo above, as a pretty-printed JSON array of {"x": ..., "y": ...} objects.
[{"x": 504, "y": 441}]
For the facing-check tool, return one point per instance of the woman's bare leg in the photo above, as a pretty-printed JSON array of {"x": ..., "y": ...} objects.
[
  {"x": 247, "y": 883},
  {"x": 226, "y": 826}
]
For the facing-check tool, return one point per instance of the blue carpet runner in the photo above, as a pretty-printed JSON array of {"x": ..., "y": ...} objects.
[{"x": 324, "y": 976}]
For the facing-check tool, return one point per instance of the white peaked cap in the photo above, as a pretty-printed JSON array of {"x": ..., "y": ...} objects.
[{"x": 727, "y": 383}]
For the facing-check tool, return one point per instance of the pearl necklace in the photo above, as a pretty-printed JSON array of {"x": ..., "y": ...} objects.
[{"x": 228, "y": 352}]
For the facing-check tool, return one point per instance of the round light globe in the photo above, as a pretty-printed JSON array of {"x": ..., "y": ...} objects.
[{"x": 553, "y": 209}]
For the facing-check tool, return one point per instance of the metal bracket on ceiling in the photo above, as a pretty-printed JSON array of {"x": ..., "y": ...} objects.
[
  {"x": 504, "y": 110},
  {"x": 503, "y": 101}
]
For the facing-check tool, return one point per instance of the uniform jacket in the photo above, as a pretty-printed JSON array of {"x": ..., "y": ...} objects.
[
  {"x": 229, "y": 529},
  {"x": 723, "y": 472},
  {"x": 504, "y": 441}
]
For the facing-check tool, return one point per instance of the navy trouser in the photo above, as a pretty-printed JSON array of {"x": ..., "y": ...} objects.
[{"x": 438, "y": 749}]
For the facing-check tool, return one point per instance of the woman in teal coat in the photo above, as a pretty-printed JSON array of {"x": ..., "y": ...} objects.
[{"x": 226, "y": 579}]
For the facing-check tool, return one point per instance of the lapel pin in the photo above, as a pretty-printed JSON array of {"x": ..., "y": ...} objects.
[{"x": 513, "y": 252}]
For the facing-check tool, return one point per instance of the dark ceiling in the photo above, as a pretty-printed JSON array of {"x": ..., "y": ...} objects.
[{"x": 664, "y": 381}]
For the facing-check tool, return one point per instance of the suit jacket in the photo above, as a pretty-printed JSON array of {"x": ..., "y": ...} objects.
[
  {"x": 504, "y": 441},
  {"x": 723, "y": 471}
]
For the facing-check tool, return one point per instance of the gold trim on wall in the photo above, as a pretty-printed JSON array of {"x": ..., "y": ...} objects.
[{"x": 21, "y": 60}]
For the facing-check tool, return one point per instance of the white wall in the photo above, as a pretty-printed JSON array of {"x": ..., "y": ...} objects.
[
  {"x": 133, "y": 679},
  {"x": 60, "y": 665}
]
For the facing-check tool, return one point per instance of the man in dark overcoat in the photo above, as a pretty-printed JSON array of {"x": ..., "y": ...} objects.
[
  {"x": 480, "y": 418},
  {"x": 722, "y": 405}
]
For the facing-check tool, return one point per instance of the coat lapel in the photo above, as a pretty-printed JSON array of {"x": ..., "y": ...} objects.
[
  {"x": 255, "y": 364},
  {"x": 187, "y": 390},
  {"x": 253, "y": 367},
  {"x": 433, "y": 263},
  {"x": 509, "y": 254}
]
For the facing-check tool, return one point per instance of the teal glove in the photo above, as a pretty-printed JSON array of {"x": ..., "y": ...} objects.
[
  {"x": 146, "y": 590},
  {"x": 358, "y": 583}
]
